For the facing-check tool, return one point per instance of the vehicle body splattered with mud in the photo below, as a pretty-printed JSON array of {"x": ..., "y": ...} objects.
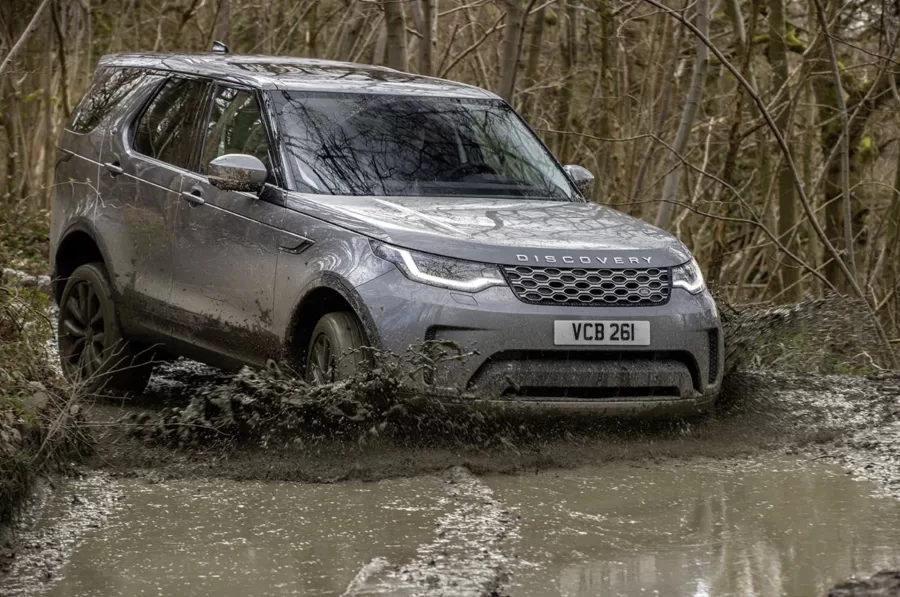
[{"x": 235, "y": 209}]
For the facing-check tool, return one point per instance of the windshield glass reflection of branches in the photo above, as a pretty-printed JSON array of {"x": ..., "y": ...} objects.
[{"x": 356, "y": 144}]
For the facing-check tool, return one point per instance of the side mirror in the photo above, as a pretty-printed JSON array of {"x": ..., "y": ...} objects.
[
  {"x": 582, "y": 179},
  {"x": 237, "y": 172}
]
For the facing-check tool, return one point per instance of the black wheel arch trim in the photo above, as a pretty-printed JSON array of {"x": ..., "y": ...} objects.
[
  {"x": 336, "y": 283},
  {"x": 85, "y": 226}
]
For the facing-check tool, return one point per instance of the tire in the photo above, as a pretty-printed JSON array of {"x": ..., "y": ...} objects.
[
  {"x": 334, "y": 348},
  {"x": 92, "y": 350}
]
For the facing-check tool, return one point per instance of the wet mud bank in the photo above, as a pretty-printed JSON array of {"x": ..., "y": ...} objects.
[
  {"x": 35, "y": 442},
  {"x": 40, "y": 415}
]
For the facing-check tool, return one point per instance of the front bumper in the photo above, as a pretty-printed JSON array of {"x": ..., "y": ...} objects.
[{"x": 515, "y": 360}]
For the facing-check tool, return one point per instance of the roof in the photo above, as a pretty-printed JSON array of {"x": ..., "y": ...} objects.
[{"x": 278, "y": 72}]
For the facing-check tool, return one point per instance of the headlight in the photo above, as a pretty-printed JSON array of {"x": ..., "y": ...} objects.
[
  {"x": 689, "y": 277},
  {"x": 455, "y": 274}
]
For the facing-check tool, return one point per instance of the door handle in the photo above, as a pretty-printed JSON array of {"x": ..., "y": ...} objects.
[
  {"x": 193, "y": 197},
  {"x": 113, "y": 168}
]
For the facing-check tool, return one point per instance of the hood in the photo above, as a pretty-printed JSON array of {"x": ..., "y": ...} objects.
[{"x": 505, "y": 231}]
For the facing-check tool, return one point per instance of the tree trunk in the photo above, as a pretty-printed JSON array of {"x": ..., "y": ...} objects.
[
  {"x": 395, "y": 27},
  {"x": 695, "y": 93},
  {"x": 222, "y": 30},
  {"x": 512, "y": 47},
  {"x": 569, "y": 61},
  {"x": 667, "y": 83},
  {"x": 312, "y": 31},
  {"x": 892, "y": 242},
  {"x": 743, "y": 33},
  {"x": 829, "y": 136},
  {"x": 787, "y": 277},
  {"x": 607, "y": 155},
  {"x": 534, "y": 60},
  {"x": 426, "y": 47}
]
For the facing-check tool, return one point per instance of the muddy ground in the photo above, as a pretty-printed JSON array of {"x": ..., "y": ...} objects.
[{"x": 196, "y": 423}]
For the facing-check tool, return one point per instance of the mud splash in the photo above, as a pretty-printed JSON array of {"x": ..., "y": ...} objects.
[
  {"x": 273, "y": 406},
  {"x": 194, "y": 420}
]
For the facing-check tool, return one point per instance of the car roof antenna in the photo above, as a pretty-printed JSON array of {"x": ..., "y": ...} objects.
[{"x": 219, "y": 48}]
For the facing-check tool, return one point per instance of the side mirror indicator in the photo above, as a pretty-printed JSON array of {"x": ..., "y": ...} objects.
[
  {"x": 237, "y": 172},
  {"x": 582, "y": 179}
]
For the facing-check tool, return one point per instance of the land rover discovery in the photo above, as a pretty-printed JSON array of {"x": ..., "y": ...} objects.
[{"x": 235, "y": 209}]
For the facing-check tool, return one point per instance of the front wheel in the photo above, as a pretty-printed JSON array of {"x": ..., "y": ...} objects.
[
  {"x": 334, "y": 349},
  {"x": 92, "y": 351}
]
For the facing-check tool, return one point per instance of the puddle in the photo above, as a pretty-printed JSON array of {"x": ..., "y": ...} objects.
[
  {"x": 226, "y": 538},
  {"x": 778, "y": 527},
  {"x": 704, "y": 528}
]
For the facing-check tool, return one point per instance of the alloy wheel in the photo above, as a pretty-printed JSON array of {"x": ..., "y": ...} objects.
[
  {"x": 321, "y": 361},
  {"x": 82, "y": 331}
]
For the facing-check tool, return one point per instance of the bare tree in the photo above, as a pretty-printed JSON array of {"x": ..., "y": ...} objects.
[
  {"x": 426, "y": 48},
  {"x": 395, "y": 40},
  {"x": 512, "y": 47},
  {"x": 569, "y": 46},
  {"x": 788, "y": 282},
  {"x": 695, "y": 93},
  {"x": 534, "y": 59},
  {"x": 23, "y": 39}
]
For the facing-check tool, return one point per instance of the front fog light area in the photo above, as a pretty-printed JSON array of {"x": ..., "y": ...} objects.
[
  {"x": 443, "y": 272},
  {"x": 689, "y": 277}
]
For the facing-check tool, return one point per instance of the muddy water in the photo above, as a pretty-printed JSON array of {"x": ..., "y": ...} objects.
[
  {"x": 722, "y": 528},
  {"x": 780, "y": 527},
  {"x": 239, "y": 539}
]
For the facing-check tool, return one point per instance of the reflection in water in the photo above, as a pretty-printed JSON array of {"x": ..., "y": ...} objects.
[{"x": 701, "y": 529}]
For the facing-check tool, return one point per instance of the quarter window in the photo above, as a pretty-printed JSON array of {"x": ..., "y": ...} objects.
[
  {"x": 164, "y": 131},
  {"x": 111, "y": 86},
  {"x": 235, "y": 126}
]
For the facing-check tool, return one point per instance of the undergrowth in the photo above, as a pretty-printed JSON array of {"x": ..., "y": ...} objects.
[
  {"x": 38, "y": 412},
  {"x": 24, "y": 238}
]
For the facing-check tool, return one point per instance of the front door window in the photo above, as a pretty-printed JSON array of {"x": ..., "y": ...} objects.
[{"x": 235, "y": 126}]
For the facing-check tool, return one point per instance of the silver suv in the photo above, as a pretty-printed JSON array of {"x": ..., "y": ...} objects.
[{"x": 235, "y": 209}]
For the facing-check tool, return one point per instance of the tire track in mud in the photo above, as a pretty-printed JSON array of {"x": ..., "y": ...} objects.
[{"x": 466, "y": 557}]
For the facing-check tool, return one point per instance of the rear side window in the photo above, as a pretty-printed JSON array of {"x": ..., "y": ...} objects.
[
  {"x": 165, "y": 130},
  {"x": 110, "y": 86}
]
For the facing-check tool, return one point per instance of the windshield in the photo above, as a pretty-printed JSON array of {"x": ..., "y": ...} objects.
[{"x": 366, "y": 144}]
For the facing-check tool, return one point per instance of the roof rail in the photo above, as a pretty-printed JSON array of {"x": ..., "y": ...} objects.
[{"x": 219, "y": 48}]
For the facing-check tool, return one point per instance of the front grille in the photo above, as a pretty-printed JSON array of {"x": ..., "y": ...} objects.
[{"x": 576, "y": 286}]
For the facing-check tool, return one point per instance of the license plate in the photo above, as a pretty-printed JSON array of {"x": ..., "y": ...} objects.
[{"x": 601, "y": 333}]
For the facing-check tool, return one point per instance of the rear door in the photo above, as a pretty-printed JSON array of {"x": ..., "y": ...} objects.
[
  {"x": 142, "y": 164},
  {"x": 227, "y": 243}
]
